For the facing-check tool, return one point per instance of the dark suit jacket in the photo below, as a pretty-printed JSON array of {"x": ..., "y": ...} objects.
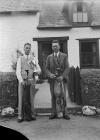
[{"x": 63, "y": 62}]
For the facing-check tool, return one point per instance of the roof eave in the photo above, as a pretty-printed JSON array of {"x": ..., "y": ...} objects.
[
  {"x": 95, "y": 26},
  {"x": 54, "y": 27},
  {"x": 51, "y": 38},
  {"x": 10, "y": 11}
]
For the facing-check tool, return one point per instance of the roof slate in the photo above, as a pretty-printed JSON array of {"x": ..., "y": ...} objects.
[
  {"x": 95, "y": 11},
  {"x": 19, "y": 5},
  {"x": 52, "y": 15}
]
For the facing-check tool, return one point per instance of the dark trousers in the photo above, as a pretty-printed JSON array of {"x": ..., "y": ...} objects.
[{"x": 20, "y": 98}]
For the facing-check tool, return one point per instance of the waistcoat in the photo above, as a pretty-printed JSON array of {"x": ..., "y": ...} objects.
[{"x": 27, "y": 65}]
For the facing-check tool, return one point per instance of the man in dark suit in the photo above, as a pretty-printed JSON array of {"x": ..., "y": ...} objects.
[{"x": 57, "y": 60}]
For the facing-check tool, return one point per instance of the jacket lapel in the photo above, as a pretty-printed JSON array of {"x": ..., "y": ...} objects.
[
  {"x": 59, "y": 60},
  {"x": 56, "y": 61}
]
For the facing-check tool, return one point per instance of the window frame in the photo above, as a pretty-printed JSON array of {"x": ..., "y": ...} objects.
[
  {"x": 86, "y": 11},
  {"x": 97, "y": 66}
]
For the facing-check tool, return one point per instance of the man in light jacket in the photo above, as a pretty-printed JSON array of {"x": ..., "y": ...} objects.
[{"x": 26, "y": 63}]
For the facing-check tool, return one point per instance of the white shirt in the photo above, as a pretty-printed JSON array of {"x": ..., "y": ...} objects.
[
  {"x": 18, "y": 68},
  {"x": 56, "y": 53}
]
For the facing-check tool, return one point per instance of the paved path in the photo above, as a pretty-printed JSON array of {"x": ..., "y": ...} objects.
[
  {"x": 78, "y": 128},
  {"x": 43, "y": 97}
]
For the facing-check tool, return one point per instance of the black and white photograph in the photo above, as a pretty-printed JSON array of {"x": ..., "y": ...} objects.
[{"x": 50, "y": 69}]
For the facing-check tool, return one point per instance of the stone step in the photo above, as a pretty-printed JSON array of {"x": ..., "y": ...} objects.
[{"x": 47, "y": 111}]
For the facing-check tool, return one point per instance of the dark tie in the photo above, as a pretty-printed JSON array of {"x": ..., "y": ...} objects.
[
  {"x": 56, "y": 56},
  {"x": 56, "y": 59}
]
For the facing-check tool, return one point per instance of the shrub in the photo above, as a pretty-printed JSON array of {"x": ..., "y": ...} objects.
[{"x": 90, "y": 87}]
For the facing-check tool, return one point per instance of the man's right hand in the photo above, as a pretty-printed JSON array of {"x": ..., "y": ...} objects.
[
  {"x": 23, "y": 83},
  {"x": 52, "y": 76}
]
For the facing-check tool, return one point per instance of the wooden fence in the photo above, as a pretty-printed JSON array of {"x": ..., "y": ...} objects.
[
  {"x": 74, "y": 88},
  {"x": 8, "y": 94}
]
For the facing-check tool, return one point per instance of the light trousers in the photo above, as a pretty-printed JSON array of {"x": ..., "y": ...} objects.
[{"x": 53, "y": 98}]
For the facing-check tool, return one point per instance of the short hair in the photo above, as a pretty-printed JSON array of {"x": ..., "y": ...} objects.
[
  {"x": 27, "y": 44},
  {"x": 55, "y": 41}
]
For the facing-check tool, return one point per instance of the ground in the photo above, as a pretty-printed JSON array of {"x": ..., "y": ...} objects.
[
  {"x": 78, "y": 128},
  {"x": 43, "y": 97}
]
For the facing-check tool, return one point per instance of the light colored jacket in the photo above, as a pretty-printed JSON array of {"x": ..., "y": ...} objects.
[{"x": 29, "y": 63}]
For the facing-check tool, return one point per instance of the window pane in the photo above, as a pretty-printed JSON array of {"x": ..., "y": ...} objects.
[
  {"x": 94, "y": 47},
  {"x": 89, "y": 54},
  {"x": 75, "y": 8},
  {"x": 85, "y": 17},
  {"x": 79, "y": 17},
  {"x": 79, "y": 7},
  {"x": 84, "y": 8},
  {"x": 74, "y": 17}
]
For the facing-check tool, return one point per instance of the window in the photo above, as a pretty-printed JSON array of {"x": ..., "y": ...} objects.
[
  {"x": 89, "y": 56},
  {"x": 80, "y": 14}
]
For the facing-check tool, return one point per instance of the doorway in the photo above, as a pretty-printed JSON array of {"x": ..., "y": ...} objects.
[{"x": 45, "y": 49}]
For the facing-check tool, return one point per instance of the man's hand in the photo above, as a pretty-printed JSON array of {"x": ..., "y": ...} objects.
[
  {"x": 36, "y": 77},
  {"x": 60, "y": 78},
  {"x": 25, "y": 82},
  {"x": 22, "y": 83},
  {"x": 52, "y": 76}
]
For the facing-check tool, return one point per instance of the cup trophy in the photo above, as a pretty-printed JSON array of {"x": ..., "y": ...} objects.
[{"x": 58, "y": 93}]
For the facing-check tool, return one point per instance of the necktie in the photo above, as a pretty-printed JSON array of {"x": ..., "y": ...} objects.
[
  {"x": 56, "y": 55},
  {"x": 27, "y": 57},
  {"x": 56, "y": 58}
]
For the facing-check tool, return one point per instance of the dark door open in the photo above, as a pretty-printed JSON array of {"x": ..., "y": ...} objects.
[{"x": 44, "y": 49}]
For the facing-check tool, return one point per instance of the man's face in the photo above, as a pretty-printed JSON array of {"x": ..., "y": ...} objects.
[
  {"x": 55, "y": 47},
  {"x": 27, "y": 49}
]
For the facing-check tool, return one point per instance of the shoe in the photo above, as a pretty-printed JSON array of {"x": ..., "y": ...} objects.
[
  {"x": 33, "y": 118},
  {"x": 52, "y": 117},
  {"x": 19, "y": 120},
  {"x": 66, "y": 117},
  {"x": 28, "y": 119},
  {"x": 36, "y": 90}
]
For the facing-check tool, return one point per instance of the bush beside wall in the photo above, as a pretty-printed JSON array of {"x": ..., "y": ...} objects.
[
  {"x": 90, "y": 87},
  {"x": 8, "y": 90}
]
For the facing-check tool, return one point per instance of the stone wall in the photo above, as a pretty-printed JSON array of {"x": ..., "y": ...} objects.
[{"x": 90, "y": 87}]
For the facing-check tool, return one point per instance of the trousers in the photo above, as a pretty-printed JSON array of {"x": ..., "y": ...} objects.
[{"x": 20, "y": 99}]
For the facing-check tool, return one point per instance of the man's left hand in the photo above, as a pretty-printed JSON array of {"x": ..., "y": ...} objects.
[{"x": 60, "y": 78}]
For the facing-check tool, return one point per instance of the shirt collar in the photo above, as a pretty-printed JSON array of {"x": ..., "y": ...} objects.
[
  {"x": 27, "y": 56},
  {"x": 56, "y": 53}
]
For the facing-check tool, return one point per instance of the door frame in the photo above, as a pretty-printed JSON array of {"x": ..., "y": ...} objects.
[{"x": 47, "y": 39}]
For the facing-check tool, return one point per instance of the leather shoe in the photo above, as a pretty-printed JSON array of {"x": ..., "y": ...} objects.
[
  {"x": 28, "y": 119},
  {"x": 52, "y": 117},
  {"x": 33, "y": 118},
  {"x": 19, "y": 120},
  {"x": 66, "y": 117}
]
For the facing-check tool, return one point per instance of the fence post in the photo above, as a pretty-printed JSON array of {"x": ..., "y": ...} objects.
[
  {"x": 78, "y": 87},
  {"x": 71, "y": 84}
]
